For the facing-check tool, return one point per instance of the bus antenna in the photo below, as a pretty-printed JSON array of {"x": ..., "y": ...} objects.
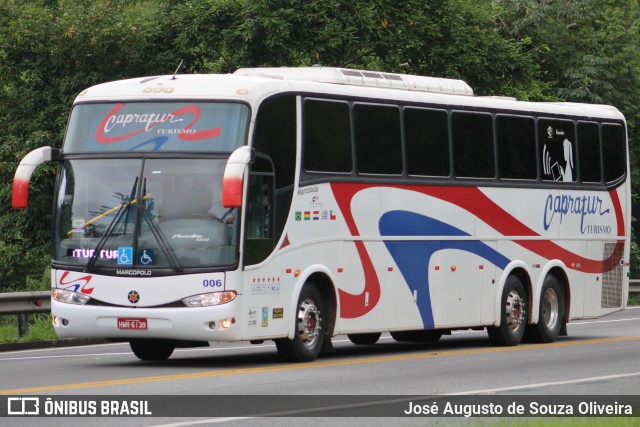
[{"x": 176, "y": 71}]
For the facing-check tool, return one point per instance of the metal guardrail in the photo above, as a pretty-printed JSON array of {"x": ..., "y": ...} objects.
[{"x": 23, "y": 304}]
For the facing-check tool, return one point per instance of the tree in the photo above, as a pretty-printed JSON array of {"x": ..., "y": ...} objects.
[
  {"x": 49, "y": 52},
  {"x": 588, "y": 51},
  {"x": 578, "y": 50}
]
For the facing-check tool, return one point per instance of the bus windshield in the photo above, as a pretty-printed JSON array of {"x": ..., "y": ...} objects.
[
  {"x": 156, "y": 126},
  {"x": 144, "y": 213}
]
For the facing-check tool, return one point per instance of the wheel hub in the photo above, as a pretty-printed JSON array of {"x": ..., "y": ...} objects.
[
  {"x": 309, "y": 322},
  {"x": 515, "y": 310},
  {"x": 550, "y": 308}
]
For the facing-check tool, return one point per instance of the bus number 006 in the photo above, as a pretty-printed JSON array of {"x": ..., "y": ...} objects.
[{"x": 213, "y": 283}]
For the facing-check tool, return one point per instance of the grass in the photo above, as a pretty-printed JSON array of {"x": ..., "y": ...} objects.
[{"x": 40, "y": 328}]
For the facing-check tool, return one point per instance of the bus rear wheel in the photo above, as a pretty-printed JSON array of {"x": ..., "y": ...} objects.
[
  {"x": 369, "y": 338},
  {"x": 152, "y": 350},
  {"x": 309, "y": 324},
  {"x": 552, "y": 313},
  {"x": 513, "y": 314}
]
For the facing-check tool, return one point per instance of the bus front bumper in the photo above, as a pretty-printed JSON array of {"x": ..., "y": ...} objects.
[{"x": 216, "y": 323}]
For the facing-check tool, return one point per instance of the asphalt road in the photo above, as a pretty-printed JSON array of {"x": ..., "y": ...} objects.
[{"x": 598, "y": 357}]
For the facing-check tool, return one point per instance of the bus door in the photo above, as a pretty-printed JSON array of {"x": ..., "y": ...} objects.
[{"x": 260, "y": 214}]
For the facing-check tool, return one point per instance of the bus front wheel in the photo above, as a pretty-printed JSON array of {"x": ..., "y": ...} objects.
[
  {"x": 309, "y": 324},
  {"x": 152, "y": 350},
  {"x": 513, "y": 314}
]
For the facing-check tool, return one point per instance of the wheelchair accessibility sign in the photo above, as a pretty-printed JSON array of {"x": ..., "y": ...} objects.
[
  {"x": 146, "y": 257},
  {"x": 125, "y": 255}
]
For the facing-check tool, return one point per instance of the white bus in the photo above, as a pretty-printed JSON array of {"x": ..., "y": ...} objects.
[{"x": 295, "y": 204}]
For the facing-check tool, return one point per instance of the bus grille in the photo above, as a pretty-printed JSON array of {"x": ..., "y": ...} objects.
[{"x": 611, "y": 280}]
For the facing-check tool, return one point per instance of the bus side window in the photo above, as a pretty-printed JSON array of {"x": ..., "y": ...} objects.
[
  {"x": 472, "y": 135},
  {"x": 614, "y": 148},
  {"x": 378, "y": 139},
  {"x": 516, "y": 147},
  {"x": 589, "y": 152},
  {"x": 557, "y": 142}
]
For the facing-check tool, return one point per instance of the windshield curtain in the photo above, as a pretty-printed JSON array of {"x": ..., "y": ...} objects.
[
  {"x": 153, "y": 213},
  {"x": 157, "y": 126}
]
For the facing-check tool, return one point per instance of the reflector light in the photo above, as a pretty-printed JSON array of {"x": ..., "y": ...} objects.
[
  {"x": 20, "y": 194},
  {"x": 232, "y": 192}
]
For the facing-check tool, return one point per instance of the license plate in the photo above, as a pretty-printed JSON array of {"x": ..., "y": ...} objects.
[{"x": 137, "y": 324}]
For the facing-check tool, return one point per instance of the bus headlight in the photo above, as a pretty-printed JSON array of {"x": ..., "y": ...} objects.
[
  {"x": 69, "y": 297},
  {"x": 205, "y": 300}
]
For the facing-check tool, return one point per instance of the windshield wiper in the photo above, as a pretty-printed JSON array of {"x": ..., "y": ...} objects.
[
  {"x": 112, "y": 225},
  {"x": 158, "y": 234}
]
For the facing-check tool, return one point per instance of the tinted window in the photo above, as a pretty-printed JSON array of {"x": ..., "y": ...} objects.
[
  {"x": 613, "y": 147},
  {"x": 378, "y": 146},
  {"x": 589, "y": 152},
  {"x": 275, "y": 142},
  {"x": 557, "y": 150},
  {"x": 473, "y": 145},
  {"x": 516, "y": 147},
  {"x": 327, "y": 136},
  {"x": 275, "y": 136},
  {"x": 427, "y": 142}
]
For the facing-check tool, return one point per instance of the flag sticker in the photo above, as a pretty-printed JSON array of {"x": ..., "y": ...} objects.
[{"x": 315, "y": 216}]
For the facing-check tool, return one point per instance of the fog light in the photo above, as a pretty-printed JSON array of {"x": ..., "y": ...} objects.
[
  {"x": 65, "y": 322},
  {"x": 212, "y": 325},
  {"x": 55, "y": 321},
  {"x": 227, "y": 323}
]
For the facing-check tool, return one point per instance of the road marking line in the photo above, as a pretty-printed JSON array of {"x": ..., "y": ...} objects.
[
  {"x": 307, "y": 366},
  {"x": 590, "y": 322},
  {"x": 547, "y": 384}
]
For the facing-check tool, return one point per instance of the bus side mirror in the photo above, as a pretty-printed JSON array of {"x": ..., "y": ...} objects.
[
  {"x": 22, "y": 177},
  {"x": 233, "y": 179}
]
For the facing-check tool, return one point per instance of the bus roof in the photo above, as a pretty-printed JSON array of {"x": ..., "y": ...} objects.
[{"x": 254, "y": 84}]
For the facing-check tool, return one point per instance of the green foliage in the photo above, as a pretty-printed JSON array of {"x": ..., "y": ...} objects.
[
  {"x": 40, "y": 328},
  {"x": 577, "y": 50},
  {"x": 49, "y": 52}
]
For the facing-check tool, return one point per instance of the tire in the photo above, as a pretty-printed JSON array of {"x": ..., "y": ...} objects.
[
  {"x": 152, "y": 350},
  {"x": 364, "y": 339},
  {"x": 309, "y": 326},
  {"x": 551, "y": 312},
  {"x": 513, "y": 314},
  {"x": 428, "y": 335}
]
